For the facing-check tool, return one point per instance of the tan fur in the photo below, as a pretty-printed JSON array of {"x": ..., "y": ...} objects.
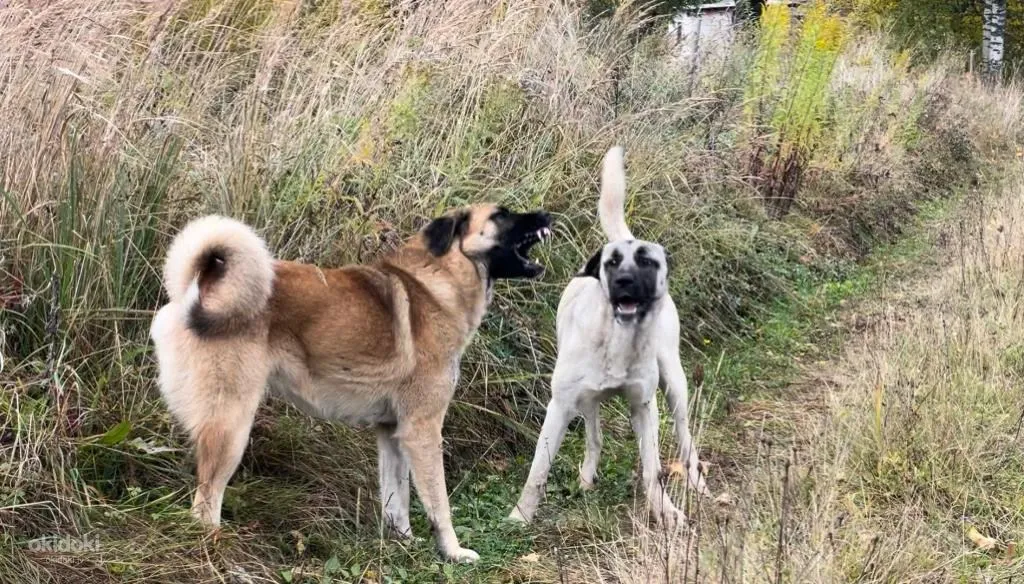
[{"x": 370, "y": 345}]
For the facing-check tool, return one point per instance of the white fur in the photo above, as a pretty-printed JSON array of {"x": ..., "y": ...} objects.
[
  {"x": 600, "y": 356},
  {"x": 248, "y": 282},
  {"x": 213, "y": 385},
  {"x": 610, "y": 209}
]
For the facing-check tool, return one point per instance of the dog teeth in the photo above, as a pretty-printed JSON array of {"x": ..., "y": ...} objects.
[{"x": 543, "y": 233}]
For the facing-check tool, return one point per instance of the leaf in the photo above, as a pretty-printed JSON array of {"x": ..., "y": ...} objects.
[
  {"x": 983, "y": 542},
  {"x": 117, "y": 434},
  {"x": 286, "y": 575},
  {"x": 531, "y": 558},
  {"x": 1011, "y": 550},
  {"x": 332, "y": 565},
  {"x": 725, "y": 500},
  {"x": 676, "y": 469},
  {"x": 300, "y": 542},
  {"x": 149, "y": 448}
]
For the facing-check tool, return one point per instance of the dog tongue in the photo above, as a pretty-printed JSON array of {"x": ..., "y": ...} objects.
[{"x": 627, "y": 307}]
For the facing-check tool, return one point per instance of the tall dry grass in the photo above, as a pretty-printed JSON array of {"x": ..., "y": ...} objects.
[{"x": 336, "y": 128}]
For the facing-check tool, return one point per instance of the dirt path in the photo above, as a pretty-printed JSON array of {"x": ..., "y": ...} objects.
[{"x": 901, "y": 459}]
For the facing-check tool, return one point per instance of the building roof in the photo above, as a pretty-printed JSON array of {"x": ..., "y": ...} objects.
[
  {"x": 721, "y": 5},
  {"x": 730, "y": 5}
]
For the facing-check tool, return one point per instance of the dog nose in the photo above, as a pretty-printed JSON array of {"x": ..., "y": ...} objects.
[{"x": 623, "y": 280}]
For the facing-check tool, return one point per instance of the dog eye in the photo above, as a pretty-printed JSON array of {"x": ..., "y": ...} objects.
[
  {"x": 647, "y": 262},
  {"x": 611, "y": 263}
]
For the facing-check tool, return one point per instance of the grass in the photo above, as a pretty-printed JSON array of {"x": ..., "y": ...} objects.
[
  {"x": 336, "y": 129},
  {"x": 898, "y": 448}
]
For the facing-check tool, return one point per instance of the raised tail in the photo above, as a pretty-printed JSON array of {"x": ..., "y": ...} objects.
[
  {"x": 221, "y": 271},
  {"x": 612, "y": 207}
]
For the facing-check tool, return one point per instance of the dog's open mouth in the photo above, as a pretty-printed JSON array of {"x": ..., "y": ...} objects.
[
  {"x": 524, "y": 245},
  {"x": 521, "y": 231},
  {"x": 626, "y": 306}
]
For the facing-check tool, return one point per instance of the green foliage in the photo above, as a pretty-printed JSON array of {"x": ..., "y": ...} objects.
[
  {"x": 929, "y": 26},
  {"x": 797, "y": 115},
  {"x": 763, "y": 83},
  {"x": 786, "y": 98}
]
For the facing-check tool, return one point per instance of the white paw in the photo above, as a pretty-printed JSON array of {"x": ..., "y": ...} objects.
[
  {"x": 586, "y": 485},
  {"x": 669, "y": 519},
  {"x": 201, "y": 512},
  {"x": 463, "y": 556},
  {"x": 400, "y": 533},
  {"x": 697, "y": 483},
  {"x": 517, "y": 517}
]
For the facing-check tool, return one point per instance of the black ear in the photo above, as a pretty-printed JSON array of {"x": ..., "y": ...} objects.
[
  {"x": 441, "y": 232},
  {"x": 593, "y": 267}
]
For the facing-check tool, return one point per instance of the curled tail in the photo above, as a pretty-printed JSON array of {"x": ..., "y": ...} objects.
[
  {"x": 612, "y": 207},
  {"x": 221, "y": 271}
]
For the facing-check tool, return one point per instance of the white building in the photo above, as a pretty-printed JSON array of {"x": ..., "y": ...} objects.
[
  {"x": 702, "y": 31},
  {"x": 707, "y": 30}
]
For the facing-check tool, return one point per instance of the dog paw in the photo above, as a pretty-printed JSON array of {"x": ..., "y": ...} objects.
[
  {"x": 201, "y": 512},
  {"x": 517, "y": 516},
  {"x": 400, "y": 534},
  {"x": 463, "y": 556},
  {"x": 698, "y": 484},
  {"x": 586, "y": 485},
  {"x": 669, "y": 519}
]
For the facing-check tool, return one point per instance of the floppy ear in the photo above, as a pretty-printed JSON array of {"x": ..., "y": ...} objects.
[
  {"x": 441, "y": 232},
  {"x": 593, "y": 267}
]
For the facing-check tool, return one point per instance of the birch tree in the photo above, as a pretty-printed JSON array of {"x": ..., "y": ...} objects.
[{"x": 992, "y": 36}]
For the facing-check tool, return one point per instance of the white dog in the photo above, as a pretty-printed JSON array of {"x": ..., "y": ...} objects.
[{"x": 618, "y": 334}]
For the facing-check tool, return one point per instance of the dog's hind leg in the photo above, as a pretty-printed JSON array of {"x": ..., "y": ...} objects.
[
  {"x": 220, "y": 443},
  {"x": 644, "y": 418},
  {"x": 421, "y": 441},
  {"x": 221, "y": 434},
  {"x": 592, "y": 419},
  {"x": 551, "y": 435},
  {"x": 394, "y": 482}
]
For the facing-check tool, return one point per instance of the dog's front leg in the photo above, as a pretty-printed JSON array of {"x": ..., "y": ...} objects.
[
  {"x": 421, "y": 441},
  {"x": 673, "y": 378},
  {"x": 394, "y": 482},
  {"x": 592, "y": 419},
  {"x": 644, "y": 418},
  {"x": 556, "y": 421}
]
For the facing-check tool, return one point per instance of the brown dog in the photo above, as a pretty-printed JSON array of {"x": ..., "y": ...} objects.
[{"x": 378, "y": 345}]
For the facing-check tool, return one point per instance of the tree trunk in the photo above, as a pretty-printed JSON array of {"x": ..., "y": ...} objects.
[{"x": 992, "y": 37}]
